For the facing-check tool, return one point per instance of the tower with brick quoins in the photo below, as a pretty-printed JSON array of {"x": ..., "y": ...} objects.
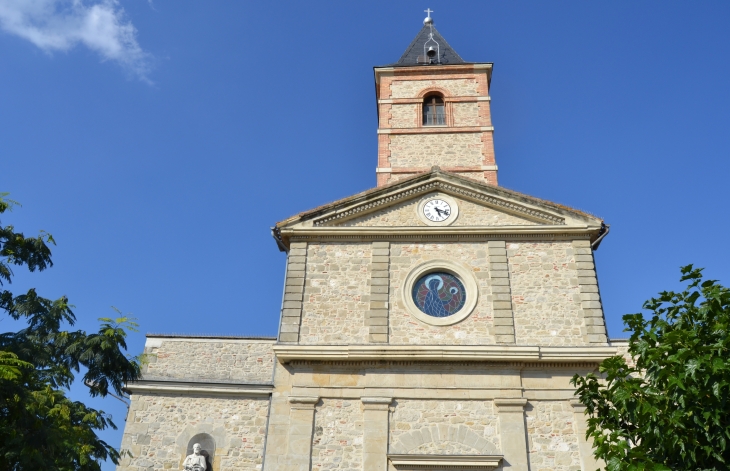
[{"x": 433, "y": 322}]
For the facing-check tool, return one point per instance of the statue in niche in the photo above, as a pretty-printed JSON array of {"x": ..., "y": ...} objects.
[{"x": 195, "y": 461}]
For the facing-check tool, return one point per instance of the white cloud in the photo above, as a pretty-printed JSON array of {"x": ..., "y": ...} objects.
[{"x": 60, "y": 25}]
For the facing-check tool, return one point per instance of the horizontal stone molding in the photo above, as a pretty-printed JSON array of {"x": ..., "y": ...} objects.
[
  {"x": 455, "y": 462},
  {"x": 500, "y": 353},
  {"x": 436, "y": 130},
  {"x": 190, "y": 388},
  {"x": 419, "y": 100},
  {"x": 303, "y": 402},
  {"x": 479, "y": 168}
]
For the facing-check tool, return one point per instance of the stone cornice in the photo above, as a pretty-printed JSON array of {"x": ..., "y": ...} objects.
[
  {"x": 436, "y": 130},
  {"x": 446, "y": 353},
  {"x": 198, "y": 388},
  {"x": 455, "y": 462}
]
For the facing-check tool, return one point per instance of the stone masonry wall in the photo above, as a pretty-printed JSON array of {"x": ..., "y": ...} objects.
[
  {"x": 336, "y": 294},
  {"x": 426, "y": 150},
  {"x": 404, "y": 116},
  {"x": 338, "y": 435},
  {"x": 466, "y": 114},
  {"x": 448, "y": 427},
  {"x": 155, "y": 431},
  {"x": 553, "y": 442},
  {"x": 406, "y": 329},
  {"x": 248, "y": 360},
  {"x": 455, "y": 87},
  {"x": 545, "y": 294}
]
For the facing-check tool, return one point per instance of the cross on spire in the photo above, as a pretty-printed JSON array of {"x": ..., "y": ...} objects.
[{"x": 428, "y": 11}]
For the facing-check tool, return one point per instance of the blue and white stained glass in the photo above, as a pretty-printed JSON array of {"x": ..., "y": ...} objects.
[{"x": 439, "y": 294}]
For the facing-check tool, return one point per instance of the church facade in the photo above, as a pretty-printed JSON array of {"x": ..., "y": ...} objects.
[{"x": 433, "y": 322}]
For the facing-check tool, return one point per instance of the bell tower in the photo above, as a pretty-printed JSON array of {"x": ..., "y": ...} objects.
[{"x": 434, "y": 110}]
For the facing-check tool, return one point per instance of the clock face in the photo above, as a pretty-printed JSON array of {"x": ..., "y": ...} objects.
[{"x": 437, "y": 210}]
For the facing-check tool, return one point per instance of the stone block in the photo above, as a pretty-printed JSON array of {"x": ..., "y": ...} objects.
[
  {"x": 289, "y": 337},
  {"x": 591, "y": 321},
  {"x": 376, "y": 321},
  {"x": 500, "y": 289},
  {"x": 294, "y": 285},
  {"x": 504, "y": 330},
  {"x": 291, "y": 312},
  {"x": 502, "y": 313},
  {"x": 593, "y": 313},
  {"x": 584, "y": 265},
  {"x": 384, "y": 281},
  {"x": 591, "y": 304},
  {"x": 586, "y": 273},
  {"x": 582, "y": 243},
  {"x": 379, "y": 290},
  {"x": 502, "y": 305},
  {"x": 381, "y": 245},
  {"x": 498, "y": 266},
  {"x": 498, "y": 274},
  {"x": 292, "y": 305},
  {"x": 584, "y": 258},
  {"x": 596, "y": 329},
  {"x": 585, "y": 281},
  {"x": 589, "y": 297},
  {"x": 503, "y": 321},
  {"x": 502, "y": 297},
  {"x": 381, "y": 259},
  {"x": 379, "y": 266},
  {"x": 290, "y": 320},
  {"x": 377, "y": 313},
  {"x": 497, "y": 244},
  {"x": 505, "y": 338},
  {"x": 295, "y": 273},
  {"x": 381, "y": 252},
  {"x": 379, "y": 274},
  {"x": 498, "y": 259},
  {"x": 289, "y": 327},
  {"x": 379, "y": 329},
  {"x": 293, "y": 296},
  {"x": 589, "y": 288},
  {"x": 378, "y": 297},
  {"x": 500, "y": 281},
  {"x": 378, "y": 338},
  {"x": 296, "y": 259},
  {"x": 583, "y": 251},
  {"x": 597, "y": 338},
  {"x": 378, "y": 305},
  {"x": 298, "y": 245},
  {"x": 293, "y": 267}
]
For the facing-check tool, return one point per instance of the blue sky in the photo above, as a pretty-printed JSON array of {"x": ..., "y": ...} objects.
[{"x": 159, "y": 141}]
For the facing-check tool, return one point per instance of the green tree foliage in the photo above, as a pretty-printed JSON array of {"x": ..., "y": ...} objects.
[
  {"x": 671, "y": 409},
  {"x": 41, "y": 428}
]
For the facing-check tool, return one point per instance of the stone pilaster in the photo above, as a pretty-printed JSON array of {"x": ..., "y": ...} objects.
[
  {"x": 504, "y": 322},
  {"x": 588, "y": 461},
  {"x": 291, "y": 313},
  {"x": 301, "y": 428},
  {"x": 590, "y": 297},
  {"x": 512, "y": 432},
  {"x": 375, "y": 433},
  {"x": 377, "y": 317}
]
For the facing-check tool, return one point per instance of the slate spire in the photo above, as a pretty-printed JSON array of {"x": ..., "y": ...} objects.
[{"x": 416, "y": 54}]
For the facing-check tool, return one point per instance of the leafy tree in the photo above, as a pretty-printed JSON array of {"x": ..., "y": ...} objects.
[
  {"x": 40, "y": 427},
  {"x": 670, "y": 410}
]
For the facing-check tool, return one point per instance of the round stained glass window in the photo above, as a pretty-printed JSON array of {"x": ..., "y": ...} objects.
[{"x": 439, "y": 294}]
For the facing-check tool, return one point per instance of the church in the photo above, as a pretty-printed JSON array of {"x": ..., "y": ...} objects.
[{"x": 431, "y": 323}]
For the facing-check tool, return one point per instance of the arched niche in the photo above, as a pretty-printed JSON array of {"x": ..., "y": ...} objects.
[{"x": 207, "y": 443}]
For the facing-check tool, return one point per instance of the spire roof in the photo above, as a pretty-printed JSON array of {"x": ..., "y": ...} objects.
[{"x": 446, "y": 53}]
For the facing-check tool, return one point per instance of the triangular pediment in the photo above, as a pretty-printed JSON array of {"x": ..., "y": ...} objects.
[{"x": 479, "y": 206}]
